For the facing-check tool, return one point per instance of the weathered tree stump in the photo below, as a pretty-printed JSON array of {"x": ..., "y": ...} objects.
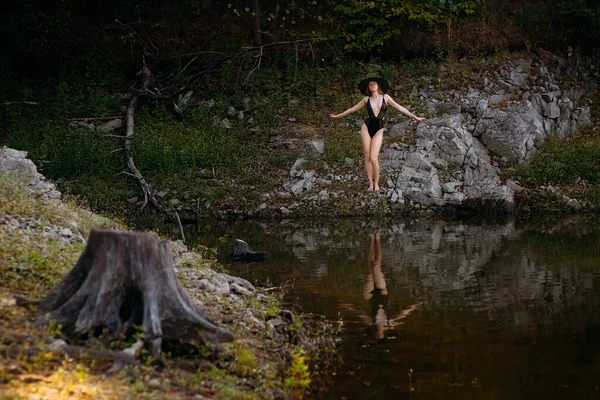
[{"x": 122, "y": 280}]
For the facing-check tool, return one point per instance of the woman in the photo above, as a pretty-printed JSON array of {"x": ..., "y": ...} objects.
[{"x": 371, "y": 132}]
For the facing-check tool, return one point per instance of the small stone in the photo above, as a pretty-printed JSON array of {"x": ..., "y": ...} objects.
[
  {"x": 515, "y": 187},
  {"x": 225, "y": 123},
  {"x": 317, "y": 146},
  {"x": 110, "y": 125},
  {"x": 221, "y": 284},
  {"x": 205, "y": 173},
  {"x": 235, "y": 288},
  {"x": 284, "y": 210},
  {"x": 573, "y": 204},
  {"x": 66, "y": 233},
  {"x": 154, "y": 383}
]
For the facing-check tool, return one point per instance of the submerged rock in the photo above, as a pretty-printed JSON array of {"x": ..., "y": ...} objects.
[{"x": 241, "y": 252}]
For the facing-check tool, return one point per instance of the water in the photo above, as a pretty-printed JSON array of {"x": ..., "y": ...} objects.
[{"x": 441, "y": 309}]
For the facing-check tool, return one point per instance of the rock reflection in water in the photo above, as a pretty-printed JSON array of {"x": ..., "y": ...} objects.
[{"x": 447, "y": 309}]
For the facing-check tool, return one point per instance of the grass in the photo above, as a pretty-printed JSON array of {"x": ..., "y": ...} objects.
[
  {"x": 571, "y": 166},
  {"x": 341, "y": 143},
  {"x": 254, "y": 366},
  {"x": 564, "y": 161},
  {"x": 35, "y": 261}
]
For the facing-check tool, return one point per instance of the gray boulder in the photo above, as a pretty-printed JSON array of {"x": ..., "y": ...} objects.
[{"x": 15, "y": 162}]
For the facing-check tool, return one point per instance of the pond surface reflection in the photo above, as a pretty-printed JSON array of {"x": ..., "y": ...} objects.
[{"x": 441, "y": 309}]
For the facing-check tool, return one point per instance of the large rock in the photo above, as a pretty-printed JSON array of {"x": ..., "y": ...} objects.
[
  {"x": 15, "y": 162},
  {"x": 520, "y": 129},
  {"x": 513, "y": 132},
  {"x": 446, "y": 166},
  {"x": 453, "y": 158}
]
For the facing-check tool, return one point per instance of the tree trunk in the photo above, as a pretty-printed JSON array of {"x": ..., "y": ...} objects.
[
  {"x": 257, "y": 30},
  {"x": 122, "y": 280}
]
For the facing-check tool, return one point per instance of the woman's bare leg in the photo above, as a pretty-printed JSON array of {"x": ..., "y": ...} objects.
[
  {"x": 374, "y": 156},
  {"x": 369, "y": 281},
  {"x": 366, "y": 144},
  {"x": 378, "y": 277}
]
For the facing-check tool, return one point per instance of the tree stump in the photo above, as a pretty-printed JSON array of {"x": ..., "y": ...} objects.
[
  {"x": 241, "y": 252},
  {"x": 123, "y": 280}
]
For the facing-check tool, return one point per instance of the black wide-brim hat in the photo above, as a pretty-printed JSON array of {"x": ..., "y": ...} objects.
[{"x": 364, "y": 84}]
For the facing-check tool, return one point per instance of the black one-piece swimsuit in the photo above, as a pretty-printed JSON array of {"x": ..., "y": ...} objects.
[{"x": 375, "y": 123}]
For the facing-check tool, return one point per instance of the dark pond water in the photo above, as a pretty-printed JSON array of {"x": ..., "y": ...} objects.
[{"x": 441, "y": 309}]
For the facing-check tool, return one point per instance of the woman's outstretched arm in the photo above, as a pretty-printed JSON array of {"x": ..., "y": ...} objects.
[
  {"x": 349, "y": 111},
  {"x": 403, "y": 110}
]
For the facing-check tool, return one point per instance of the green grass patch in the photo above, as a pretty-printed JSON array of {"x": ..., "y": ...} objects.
[
  {"x": 564, "y": 161},
  {"x": 341, "y": 143},
  {"x": 32, "y": 260}
]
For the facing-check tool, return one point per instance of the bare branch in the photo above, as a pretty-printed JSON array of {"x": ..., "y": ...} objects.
[
  {"x": 129, "y": 154},
  {"x": 259, "y": 59},
  {"x": 180, "y": 226},
  {"x": 146, "y": 34},
  {"x": 198, "y": 54},
  {"x": 85, "y": 119},
  {"x": 186, "y": 65},
  {"x": 135, "y": 32},
  {"x": 245, "y": 50},
  {"x": 29, "y": 103}
]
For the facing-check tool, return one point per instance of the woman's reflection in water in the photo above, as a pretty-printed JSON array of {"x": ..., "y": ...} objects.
[{"x": 375, "y": 291}]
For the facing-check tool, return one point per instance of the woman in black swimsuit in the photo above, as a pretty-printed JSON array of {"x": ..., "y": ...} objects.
[{"x": 371, "y": 132}]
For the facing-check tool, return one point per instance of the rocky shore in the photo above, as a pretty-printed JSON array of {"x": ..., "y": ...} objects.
[
  {"x": 451, "y": 163},
  {"x": 277, "y": 344}
]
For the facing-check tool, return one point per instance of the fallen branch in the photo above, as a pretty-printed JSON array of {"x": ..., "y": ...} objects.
[
  {"x": 29, "y": 103},
  {"x": 148, "y": 193},
  {"x": 120, "y": 359},
  {"x": 180, "y": 226},
  {"x": 85, "y": 119}
]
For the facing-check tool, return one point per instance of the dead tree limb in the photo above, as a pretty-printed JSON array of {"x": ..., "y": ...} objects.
[
  {"x": 85, "y": 119},
  {"x": 245, "y": 50},
  {"x": 124, "y": 280},
  {"x": 29, "y": 103},
  {"x": 119, "y": 359},
  {"x": 129, "y": 134}
]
